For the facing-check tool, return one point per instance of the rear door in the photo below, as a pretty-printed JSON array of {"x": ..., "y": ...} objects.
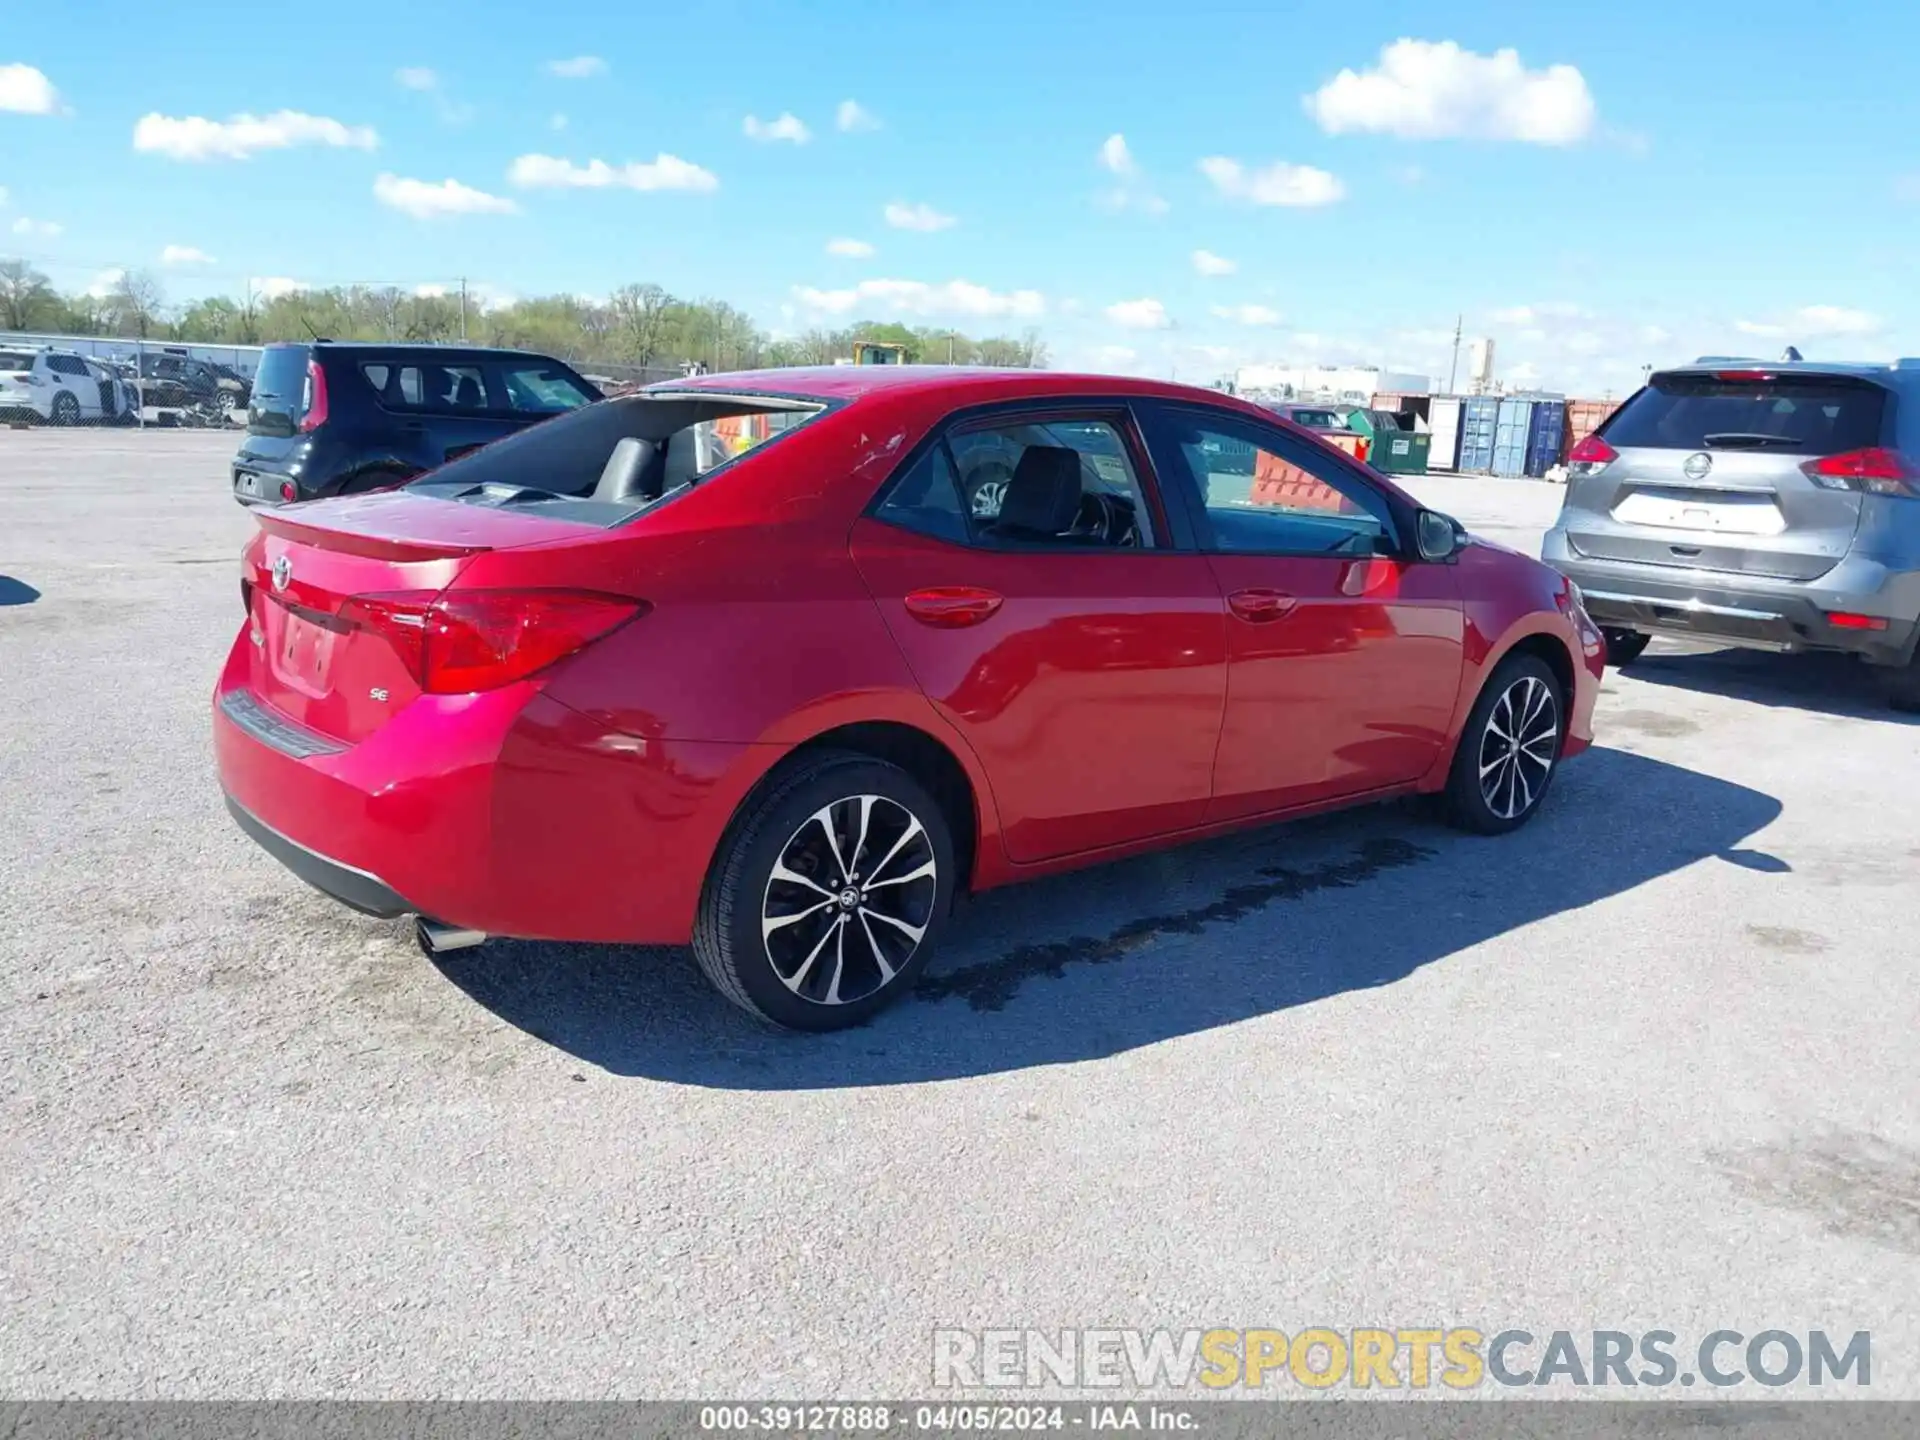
[
  {"x": 1086, "y": 667},
  {"x": 1708, "y": 473}
]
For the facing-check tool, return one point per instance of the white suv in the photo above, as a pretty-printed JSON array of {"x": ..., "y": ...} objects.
[{"x": 54, "y": 387}]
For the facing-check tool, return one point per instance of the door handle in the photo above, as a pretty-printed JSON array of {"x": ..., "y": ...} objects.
[
  {"x": 1260, "y": 606},
  {"x": 952, "y": 607}
]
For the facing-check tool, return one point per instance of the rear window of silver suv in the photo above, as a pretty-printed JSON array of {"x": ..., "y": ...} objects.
[{"x": 1734, "y": 410}]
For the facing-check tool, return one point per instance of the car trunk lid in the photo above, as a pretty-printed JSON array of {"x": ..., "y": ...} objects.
[
  {"x": 1704, "y": 471},
  {"x": 327, "y": 653}
]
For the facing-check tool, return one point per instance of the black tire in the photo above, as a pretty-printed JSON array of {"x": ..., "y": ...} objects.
[
  {"x": 1497, "y": 783},
  {"x": 1625, "y": 646},
  {"x": 1902, "y": 685},
  {"x": 66, "y": 409},
  {"x": 782, "y": 826}
]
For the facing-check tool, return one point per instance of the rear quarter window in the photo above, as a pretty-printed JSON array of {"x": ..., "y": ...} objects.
[{"x": 1786, "y": 415}]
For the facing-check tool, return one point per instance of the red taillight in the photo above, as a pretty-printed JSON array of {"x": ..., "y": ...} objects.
[
  {"x": 1876, "y": 469},
  {"x": 287, "y": 492},
  {"x": 316, "y": 415},
  {"x": 1745, "y": 375},
  {"x": 1592, "y": 451},
  {"x": 1847, "y": 620},
  {"x": 467, "y": 640}
]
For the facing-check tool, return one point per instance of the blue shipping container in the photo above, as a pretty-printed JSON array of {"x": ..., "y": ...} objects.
[
  {"x": 1479, "y": 418},
  {"x": 1547, "y": 435},
  {"x": 1510, "y": 436}
]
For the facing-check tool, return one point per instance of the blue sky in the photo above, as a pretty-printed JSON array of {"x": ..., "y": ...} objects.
[{"x": 1637, "y": 183}]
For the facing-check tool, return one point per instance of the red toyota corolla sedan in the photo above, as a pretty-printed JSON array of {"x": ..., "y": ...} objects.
[{"x": 781, "y": 663}]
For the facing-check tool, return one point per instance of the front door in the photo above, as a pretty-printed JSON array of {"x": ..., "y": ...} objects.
[
  {"x": 1050, "y": 621},
  {"x": 1344, "y": 655}
]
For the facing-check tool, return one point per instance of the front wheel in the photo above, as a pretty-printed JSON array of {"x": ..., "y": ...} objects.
[
  {"x": 825, "y": 899},
  {"x": 1508, "y": 750},
  {"x": 66, "y": 409}
]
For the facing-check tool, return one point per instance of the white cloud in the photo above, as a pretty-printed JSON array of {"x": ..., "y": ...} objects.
[
  {"x": 194, "y": 137},
  {"x": 917, "y": 297},
  {"x": 430, "y": 292},
  {"x": 1139, "y": 314},
  {"x": 25, "y": 91},
  {"x": 273, "y": 287},
  {"x": 102, "y": 284},
  {"x": 1132, "y": 192},
  {"x": 184, "y": 255},
  {"x": 416, "y": 77},
  {"x": 432, "y": 200},
  {"x": 580, "y": 67},
  {"x": 1423, "y": 90},
  {"x": 902, "y": 216},
  {"x": 1410, "y": 175},
  {"x": 1115, "y": 156},
  {"x": 788, "y": 127},
  {"x": 664, "y": 172},
  {"x": 1535, "y": 315},
  {"x": 1277, "y": 184},
  {"x": 852, "y": 117},
  {"x": 39, "y": 229},
  {"x": 557, "y": 121},
  {"x": 1814, "y": 322},
  {"x": 1205, "y": 262},
  {"x": 1247, "y": 314},
  {"x": 850, "y": 249}
]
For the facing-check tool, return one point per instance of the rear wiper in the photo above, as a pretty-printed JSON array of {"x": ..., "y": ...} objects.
[{"x": 1741, "y": 440}]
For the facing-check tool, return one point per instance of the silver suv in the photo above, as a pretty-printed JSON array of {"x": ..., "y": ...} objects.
[{"x": 1773, "y": 505}]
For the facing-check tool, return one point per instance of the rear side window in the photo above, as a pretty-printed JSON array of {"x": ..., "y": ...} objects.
[
  {"x": 927, "y": 500},
  {"x": 1785, "y": 415},
  {"x": 16, "y": 360}
]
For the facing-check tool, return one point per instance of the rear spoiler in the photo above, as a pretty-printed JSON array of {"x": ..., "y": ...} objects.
[{"x": 368, "y": 538}]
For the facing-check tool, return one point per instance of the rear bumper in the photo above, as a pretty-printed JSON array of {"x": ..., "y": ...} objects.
[
  {"x": 1762, "y": 614},
  {"x": 505, "y": 812},
  {"x": 356, "y": 889}
]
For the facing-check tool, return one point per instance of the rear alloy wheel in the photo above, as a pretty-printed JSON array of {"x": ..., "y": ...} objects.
[
  {"x": 824, "y": 901},
  {"x": 66, "y": 409},
  {"x": 1625, "y": 646},
  {"x": 1508, "y": 750}
]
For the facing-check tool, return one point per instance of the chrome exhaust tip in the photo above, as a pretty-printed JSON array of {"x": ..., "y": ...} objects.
[{"x": 436, "y": 937}]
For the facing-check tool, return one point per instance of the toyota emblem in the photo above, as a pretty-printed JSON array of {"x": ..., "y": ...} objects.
[
  {"x": 1697, "y": 467},
  {"x": 282, "y": 572}
]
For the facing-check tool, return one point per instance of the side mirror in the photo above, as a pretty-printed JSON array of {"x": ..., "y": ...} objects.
[{"x": 1438, "y": 537}]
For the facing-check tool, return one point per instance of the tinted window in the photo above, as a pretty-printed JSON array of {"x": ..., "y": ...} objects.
[
  {"x": 1315, "y": 419},
  {"x": 927, "y": 500},
  {"x": 436, "y": 389},
  {"x": 16, "y": 360},
  {"x": 65, "y": 365},
  {"x": 1267, "y": 494},
  {"x": 1788, "y": 415},
  {"x": 1111, "y": 508}
]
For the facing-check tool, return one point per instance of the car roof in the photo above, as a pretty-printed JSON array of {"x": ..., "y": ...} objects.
[
  {"x": 957, "y": 384},
  {"x": 422, "y": 347}
]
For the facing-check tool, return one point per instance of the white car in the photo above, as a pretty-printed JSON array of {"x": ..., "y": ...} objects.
[{"x": 56, "y": 387}]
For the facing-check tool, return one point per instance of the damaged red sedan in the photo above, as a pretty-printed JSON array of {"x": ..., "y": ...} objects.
[{"x": 779, "y": 664}]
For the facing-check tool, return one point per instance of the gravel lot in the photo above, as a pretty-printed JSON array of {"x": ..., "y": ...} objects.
[{"x": 1649, "y": 1063}]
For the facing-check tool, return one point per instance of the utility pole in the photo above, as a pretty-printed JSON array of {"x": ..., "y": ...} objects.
[
  {"x": 1454, "y": 373},
  {"x": 949, "y": 347},
  {"x": 463, "y": 309}
]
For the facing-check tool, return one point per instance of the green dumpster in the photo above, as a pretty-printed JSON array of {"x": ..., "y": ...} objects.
[{"x": 1394, "y": 447}]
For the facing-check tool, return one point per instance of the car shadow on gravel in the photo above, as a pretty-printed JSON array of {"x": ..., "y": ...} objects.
[
  {"x": 1092, "y": 964},
  {"x": 1827, "y": 684}
]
